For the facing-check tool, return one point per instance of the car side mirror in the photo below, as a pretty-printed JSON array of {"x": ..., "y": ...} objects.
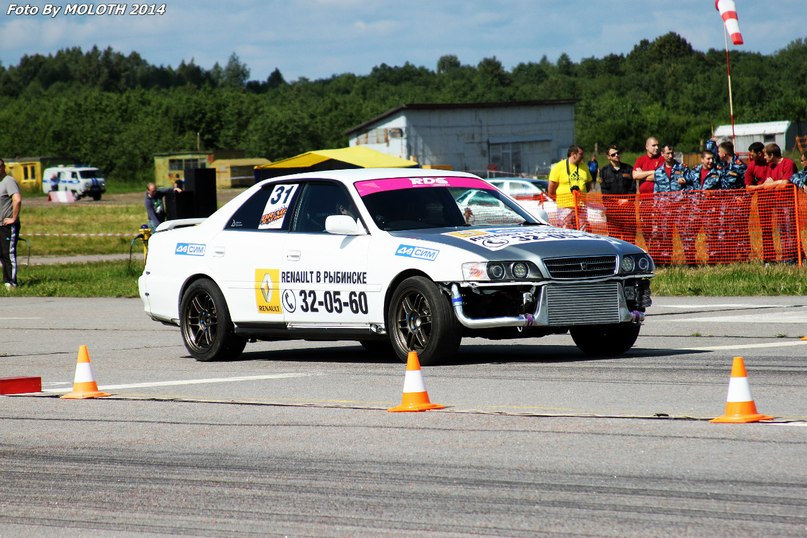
[{"x": 343, "y": 225}]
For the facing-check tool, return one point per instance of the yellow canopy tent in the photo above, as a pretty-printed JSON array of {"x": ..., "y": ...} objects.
[{"x": 331, "y": 159}]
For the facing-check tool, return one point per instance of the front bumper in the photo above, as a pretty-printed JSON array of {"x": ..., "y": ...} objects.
[{"x": 553, "y": 304}]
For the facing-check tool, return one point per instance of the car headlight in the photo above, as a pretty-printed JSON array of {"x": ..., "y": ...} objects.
[
  {"x": 520, "y": 270},
  {"x": 496, "y": 271},
  {"x": 636, "y": 263},
  {"x": 628, "y": 264}
]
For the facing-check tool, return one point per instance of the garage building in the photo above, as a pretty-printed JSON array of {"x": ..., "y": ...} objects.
[{"x": 513, "y": 138}]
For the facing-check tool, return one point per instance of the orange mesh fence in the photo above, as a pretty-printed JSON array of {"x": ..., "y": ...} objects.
[{"x": 696, "y": 227}]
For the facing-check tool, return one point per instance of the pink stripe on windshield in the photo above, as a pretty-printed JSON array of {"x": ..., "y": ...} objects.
[{"x": 398, "y": 183}]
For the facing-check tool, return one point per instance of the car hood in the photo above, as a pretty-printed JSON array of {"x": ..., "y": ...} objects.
[{"x": 506, "y": 243}]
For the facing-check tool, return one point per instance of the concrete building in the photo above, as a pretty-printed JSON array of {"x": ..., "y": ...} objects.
[{"x": 501, "y": 138}]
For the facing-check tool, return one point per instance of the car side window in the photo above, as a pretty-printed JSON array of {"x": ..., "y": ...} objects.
[
  {"x": 318, "y": 201},
  {"x": 522, "y": 189},
  {"x": 267, "y": 209}
]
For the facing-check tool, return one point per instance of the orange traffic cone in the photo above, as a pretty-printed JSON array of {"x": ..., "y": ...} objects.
[
  {"x": 84, "y": 385},
  {"x": 740, "y": 406},
  {"x": 415, "y": 397}
]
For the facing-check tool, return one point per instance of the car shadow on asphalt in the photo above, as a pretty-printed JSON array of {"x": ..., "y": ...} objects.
[{"x": 467, "y": 354}]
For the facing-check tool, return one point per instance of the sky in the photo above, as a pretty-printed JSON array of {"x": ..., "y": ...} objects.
[{"x": 316, "y": 39}]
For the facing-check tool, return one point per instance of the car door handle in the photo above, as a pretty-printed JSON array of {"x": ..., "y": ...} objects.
[
  {"x": 293, "y": 255},
  {"x": 218, "y": 251}
]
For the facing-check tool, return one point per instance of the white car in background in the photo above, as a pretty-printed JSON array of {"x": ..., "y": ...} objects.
[
  {"x": 534, "y": 198},
  {"x": 398, "y": 259}
]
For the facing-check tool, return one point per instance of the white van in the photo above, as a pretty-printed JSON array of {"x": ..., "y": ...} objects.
[{"x": 80, "y": 180}]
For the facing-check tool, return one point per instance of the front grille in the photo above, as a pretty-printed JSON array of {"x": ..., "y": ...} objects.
[
  {"x": 582, "y": 304},
  {"x": 584, "y": 267}
]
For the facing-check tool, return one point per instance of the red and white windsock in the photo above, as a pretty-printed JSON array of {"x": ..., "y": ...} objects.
[{"x": 729, "y": 13}]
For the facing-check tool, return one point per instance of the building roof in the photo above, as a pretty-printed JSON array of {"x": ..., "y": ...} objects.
[
  {"x": 243, "y": 161},
  {"x": 458, "y": 106},
  {"x": 745, "y": 129},
  {"x": 359, "y": 156}
]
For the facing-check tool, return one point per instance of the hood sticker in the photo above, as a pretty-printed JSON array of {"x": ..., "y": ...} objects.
[{"x": 497, "y": 239}]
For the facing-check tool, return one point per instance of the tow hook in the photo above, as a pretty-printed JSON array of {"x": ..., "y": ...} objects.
[{"x": 636, "y": 316}]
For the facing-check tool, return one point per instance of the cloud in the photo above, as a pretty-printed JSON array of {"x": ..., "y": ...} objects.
[{"x": 319, "y": 38}]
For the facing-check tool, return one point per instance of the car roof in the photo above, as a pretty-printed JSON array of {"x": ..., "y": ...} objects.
[{"x": 353, "y": 175}]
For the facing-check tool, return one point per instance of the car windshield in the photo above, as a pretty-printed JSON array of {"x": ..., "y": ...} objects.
[
  {"x": 449, "y": 204},
  {"x": 89, "y": 174}
]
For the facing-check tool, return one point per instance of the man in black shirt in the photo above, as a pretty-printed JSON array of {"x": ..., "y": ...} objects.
[{"x": 616, "y": 178}]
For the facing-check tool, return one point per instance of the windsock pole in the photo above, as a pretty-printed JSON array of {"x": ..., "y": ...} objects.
[
  {"x": 728, "y": 76},
  {"x": 728, "y": 12}
]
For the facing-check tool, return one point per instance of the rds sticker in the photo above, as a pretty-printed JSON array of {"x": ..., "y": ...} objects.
[
  {"x": 420, "y": 253},
  {"x": 190, "y": 249}
]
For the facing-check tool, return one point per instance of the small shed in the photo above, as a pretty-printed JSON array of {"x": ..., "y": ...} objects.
[
  {"x": 231, "y": 166},
  {"x": 331, "y": 159},
  {"x": 782, "y": 133},
  {"x": 236, "y": 172}
]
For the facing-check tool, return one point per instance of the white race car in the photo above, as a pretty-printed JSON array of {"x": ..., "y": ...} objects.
[{"x": 398, "y": 259}]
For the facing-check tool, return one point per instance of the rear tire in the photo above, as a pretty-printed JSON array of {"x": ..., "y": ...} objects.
[
  {"x": 204, "y": 321},
  {"x": 605, "y": 340},
  {"x": 420, "y": 319}
]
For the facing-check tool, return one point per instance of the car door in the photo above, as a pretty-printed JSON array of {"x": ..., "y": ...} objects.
[
  {"x": 324, "y": 276},
  {"x": 247, "y": 254}
]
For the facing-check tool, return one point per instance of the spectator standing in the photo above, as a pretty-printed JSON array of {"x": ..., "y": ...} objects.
[
  {"x": 780, "y": 170},
  {"x": 775, "y": 200},
  {"x": 671, "y": 177},
  {"x": 10, "y": 205},
  {"x": 704, "y": 180},
  {"x": 644, "y": 170},
  {"x": 593, "y": 168},
  {"x": 567, "y": 181},
  {"x": 155, "y": 204},
  {"x": 799, "y": 179},
  {"x": 734, "y": 208},
  {"x": 755, "y": 175},
  {"x": 757, "y": 170},
  {"x": 616, "y": 178}
]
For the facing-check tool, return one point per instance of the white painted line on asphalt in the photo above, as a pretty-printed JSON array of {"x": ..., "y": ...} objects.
[
  {"x": 189, "y": 382},
  {"x": 776, "y": 319},
  {"x": 785, "y": 343},
  {"x": 724, "y": 305}
]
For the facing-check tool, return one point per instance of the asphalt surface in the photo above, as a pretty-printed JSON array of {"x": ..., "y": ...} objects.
[{"x": 294, "y": 438}]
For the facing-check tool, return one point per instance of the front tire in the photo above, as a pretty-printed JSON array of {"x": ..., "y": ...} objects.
[
  {"x": 205, "y": 324},
  {"x": 605, "y": 340},
  {"x": 420, "y": 319}
]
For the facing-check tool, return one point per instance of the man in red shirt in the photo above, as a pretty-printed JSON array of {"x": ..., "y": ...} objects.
[
  {"x": 757, "y": 171},
  {"x": 645, "y": 166},
  {"x": 643, "y": 171},
  {"x": 775, "y": 197},
  {"x": 780, "y": 169}
]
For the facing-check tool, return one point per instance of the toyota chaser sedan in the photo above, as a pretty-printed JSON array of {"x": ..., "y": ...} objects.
[{"x": 398, "y": 259}]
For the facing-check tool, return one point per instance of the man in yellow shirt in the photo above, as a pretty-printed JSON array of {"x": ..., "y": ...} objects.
[{"x": 566, "y": 177}]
